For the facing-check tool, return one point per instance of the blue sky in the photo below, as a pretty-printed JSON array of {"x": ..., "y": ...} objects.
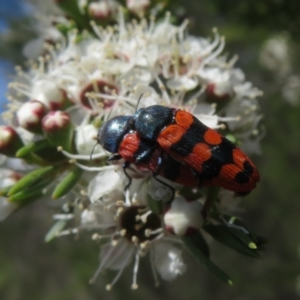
[
  {"x": 6, "y": 69},
  {"x": 11, "y": 9}
]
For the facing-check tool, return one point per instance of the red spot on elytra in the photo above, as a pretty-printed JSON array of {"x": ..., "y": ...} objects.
[
  {"x": 170, "y": 135},
  {"x": 212, "y": 137},
  {"x": 201, "y": 153},
  {"x": 184, "y": 119}
]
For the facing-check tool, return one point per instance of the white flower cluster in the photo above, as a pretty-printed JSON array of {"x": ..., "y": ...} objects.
[
  {"x": 83, "y": 81},
  {"x": 277, "y": 56}
]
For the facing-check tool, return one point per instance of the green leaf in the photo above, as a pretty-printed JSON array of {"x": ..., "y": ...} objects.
[
  {"x": 231, "y": 138},
  {"x": 32, "y": 147},
  {"x": 55, "y": 230},
  {"x": 156, "y": 206},
  {"x": 31, "y": 194},
  {"x": 26, "y": 196},
  {"x": 68, "y": 182},
  {"x": 193, "y": 247},
  {"x": 223, "y": 234},
  {"x": 238, "y": 223},
  {"x": 198, "y": 241},
  {"x": 31, "y": 179},
  {"x": 5, "y": 190},
  {"x": 65, "y": 28},
  {"x": 72, "y": 9},
  {"x": 212, "y": 196},
  {"x": 244, "y": 237}
]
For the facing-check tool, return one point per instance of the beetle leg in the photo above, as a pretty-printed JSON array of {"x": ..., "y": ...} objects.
[
  {"x": 197, "y": 175},
  {"x": 115, "y": 157},
  {"x": 145, "y": 155},
  {"x": 167, "y": 185},
  {"x": 125, "y": 166}
]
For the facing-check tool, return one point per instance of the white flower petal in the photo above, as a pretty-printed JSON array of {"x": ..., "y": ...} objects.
[
  {"x": 85, "y": 141},
  {"x": 116, "y": 257},
  {"x": 105, "y": 218},
  {"x": 104, "y": 183},
  {"x": 88, "y": 217},
  {"x": 159, "y": 191},
  {"x": 183, "y": 216},
  {"x": 182, "y": 83},
  {"x": 168, "y": 260},
  {"x": 32, "y": 49},
  {"x": 209, "y": 121},
  {"x": 47, "y": 92}
]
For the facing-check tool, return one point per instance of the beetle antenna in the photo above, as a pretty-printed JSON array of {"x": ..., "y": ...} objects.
[
  {"x": 91, "y": 158},
  {"x": 138, "y": 102}
]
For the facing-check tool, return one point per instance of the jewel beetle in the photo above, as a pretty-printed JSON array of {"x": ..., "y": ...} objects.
[
  {"x": 212, "y": 159},
  {"x": 116, "y": 137}
]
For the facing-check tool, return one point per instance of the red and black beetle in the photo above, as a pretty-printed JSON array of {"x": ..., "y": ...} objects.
[{"x": 205, "y": 157}]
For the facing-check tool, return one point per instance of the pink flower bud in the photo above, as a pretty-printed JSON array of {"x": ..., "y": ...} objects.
[
  {"x": 183, "y": 217},
  {"x": 138, "y": 7},
  {"x": 102, "y": 10},
  {"x": 219, "y": 91},
  {"x": 7, "y": 135},
  {"x": 8, "y": 178},
  {"x": 30, "y": 115},
  {"x": 55, "y": 121},
  {"x": 10, "y": 142},
  {"x": 58, "y": 128}
]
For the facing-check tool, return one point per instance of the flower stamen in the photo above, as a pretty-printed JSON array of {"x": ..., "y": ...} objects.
[
  {"x": 149, "y": 232},
  {"x": 154, "y": 272},
  {"x": 81, "y": 157},
  {"x": 95, "y": 169},
  {"x": 143, "y": 217},
  {"x": 63, "y": 217},
  {"x": 68, "y": 232},
  {"x": 116, "y": 278},
  {"x": 134, "y": 285}
]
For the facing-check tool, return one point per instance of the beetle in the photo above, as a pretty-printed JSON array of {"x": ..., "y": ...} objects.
[
  {"x": 116, "y": 136},
  {"x": 211, "y": 158},
  {"x": 214, "y": 159}
]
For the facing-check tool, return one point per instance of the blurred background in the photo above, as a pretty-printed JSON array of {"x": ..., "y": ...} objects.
[{"x": 265, "y": 35}]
